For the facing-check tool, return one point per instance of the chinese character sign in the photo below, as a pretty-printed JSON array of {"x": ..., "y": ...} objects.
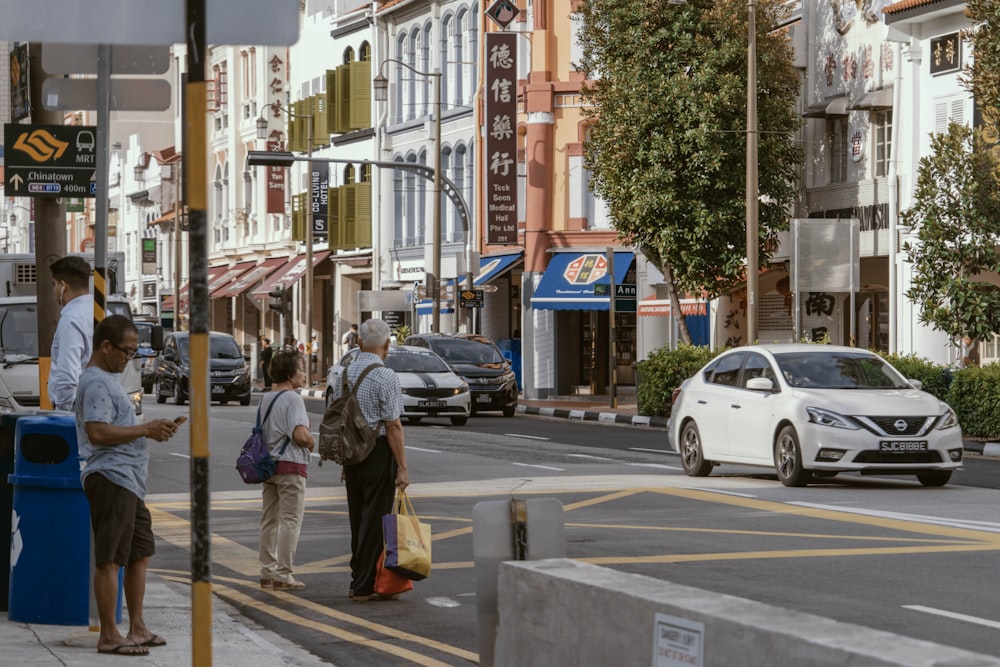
[
  {"x": 277, "y": 75},
  {"x": 501, "y": 138}
]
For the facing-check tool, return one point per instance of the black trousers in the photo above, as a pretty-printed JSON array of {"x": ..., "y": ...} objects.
[{"x": 371, "y": 488}]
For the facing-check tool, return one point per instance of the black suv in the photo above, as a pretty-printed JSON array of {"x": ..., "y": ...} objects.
[
  {"x": 476, "y": 360},
  {"x": 228, "y": 370}
]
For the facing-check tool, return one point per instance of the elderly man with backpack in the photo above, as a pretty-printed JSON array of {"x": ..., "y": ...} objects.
[{"x": 372, "y": 483}]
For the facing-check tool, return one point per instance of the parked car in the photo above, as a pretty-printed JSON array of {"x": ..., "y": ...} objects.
[
  {"x": 430, "y": 387},
  {"x": 147, "y": 355},
  {"x": 228, "y": 369},
  {"x": 477, "y": 360},
  {"x": 812, "y": 411}
]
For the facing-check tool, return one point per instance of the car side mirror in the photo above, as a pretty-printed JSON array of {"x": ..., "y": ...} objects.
[
  {"x": 760, "y": 384},
  {"x": 916, "y": 384}
]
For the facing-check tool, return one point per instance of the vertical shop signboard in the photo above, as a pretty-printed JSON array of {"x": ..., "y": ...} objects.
[
  {"x": 277, "y": 77},
  {"x": 501, "y": 138},
  {"x": 319, "y": 188}
]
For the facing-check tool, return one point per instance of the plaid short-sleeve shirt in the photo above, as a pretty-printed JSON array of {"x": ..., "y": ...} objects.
[{"x": 379, "y": 396}]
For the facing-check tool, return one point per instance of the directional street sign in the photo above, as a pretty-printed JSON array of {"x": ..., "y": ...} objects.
[
  {"x": 471, "y": 298},
  {"x": 50, "y": 160},
  {"x": 126, "y": 94}
]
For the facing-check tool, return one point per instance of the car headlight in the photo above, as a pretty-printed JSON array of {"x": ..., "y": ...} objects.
[
  {"x": 948, "y": 420},
  {"x": 828, "y": 418},
  {"x": 462, "y": 389}
]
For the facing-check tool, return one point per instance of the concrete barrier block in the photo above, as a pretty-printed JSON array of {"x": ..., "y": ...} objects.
[{"x": 564, "y": 612}]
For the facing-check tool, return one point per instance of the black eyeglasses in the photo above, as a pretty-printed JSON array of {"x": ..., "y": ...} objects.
[{"x": 129, "y": 354}]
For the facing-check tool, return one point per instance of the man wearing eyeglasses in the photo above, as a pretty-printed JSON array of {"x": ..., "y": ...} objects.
[
  {"x": 71, "y": 343},
  {"x": 114, "y": 445}
]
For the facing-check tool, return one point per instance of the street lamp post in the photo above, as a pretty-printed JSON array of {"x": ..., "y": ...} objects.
[
  {"x": 381, "y": 85},
  {"x": 752, "y": 184},
  {"x": 262, "y": 127}
]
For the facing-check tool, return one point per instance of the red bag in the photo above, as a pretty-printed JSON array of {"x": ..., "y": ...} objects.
[{"x": 388, "y": 582}]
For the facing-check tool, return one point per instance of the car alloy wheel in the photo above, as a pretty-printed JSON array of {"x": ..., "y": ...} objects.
[
  {"x": 692, "y": 456},
  {"x": 788, "y": 459}
]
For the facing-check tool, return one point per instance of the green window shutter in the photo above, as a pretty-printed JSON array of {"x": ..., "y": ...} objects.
[
  {"x": 321, "y": 113},
  {"x": 299, "y": 222},
  {"x": 331, "y": 101},
  {"x": 346, "y": 218},
  {"x": 333, "y": 218},
  {"x": 344, "y": 97},
  {"x": 361, "y": 95},
  {"x": 363, "y": 214}
]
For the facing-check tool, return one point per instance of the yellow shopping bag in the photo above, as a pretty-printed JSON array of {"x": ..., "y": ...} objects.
[{"x": 407, "y": 541}]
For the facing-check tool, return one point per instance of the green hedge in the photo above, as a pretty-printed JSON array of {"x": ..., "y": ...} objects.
[
  {"x": 975, "y": 396},
  {"x": 663, "y": 372}
]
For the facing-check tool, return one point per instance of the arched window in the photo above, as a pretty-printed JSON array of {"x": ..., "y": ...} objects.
[
  {"x": 366, "y": 173},
  {"x": 458, "y": 70},
  {"x": 446, "y": 30},
  {"x": 414, "y": 211},
  {"x": 365, "y": 52},
  {"x": 472, "y": 52},
  {"x": 349, "y": 174},
  {"x": 413, "y": 86},
  {"x": 420, "y": 89},
  {"x": 348, "y": 55},
  {"x": 459, "y": 170},
  {"x": 397, "y": 112},
  {"x": 398, "y": 206},
  {"x": 423, "y": 229},
  {"x": 447, "y": 210}
]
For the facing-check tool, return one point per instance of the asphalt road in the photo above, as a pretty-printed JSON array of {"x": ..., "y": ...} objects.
[{"x": 883, "y": 552}]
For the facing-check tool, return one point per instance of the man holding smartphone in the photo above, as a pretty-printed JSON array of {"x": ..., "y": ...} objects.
[{"x": 114, "y": 444}]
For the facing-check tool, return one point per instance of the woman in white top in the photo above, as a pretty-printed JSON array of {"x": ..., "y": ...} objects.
[{"x": 290, "y": 441}]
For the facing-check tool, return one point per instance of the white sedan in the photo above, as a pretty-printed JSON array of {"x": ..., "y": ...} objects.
[
  {"x": 812, "y": 411},
  {"x": 430, "y": 387}
]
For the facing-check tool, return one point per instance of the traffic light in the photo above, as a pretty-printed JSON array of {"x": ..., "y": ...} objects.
[{"x": 280, "y": 302}]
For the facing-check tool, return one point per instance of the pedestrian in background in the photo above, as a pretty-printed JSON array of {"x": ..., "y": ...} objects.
[
  {"x": 266, "y": 354},
  {"x": 289, "y": 439},
  {"x": 313, "y": 358},
  {"x": 372, "y": 484},
  {"x": 113, "y": 443},
  {"x": 350, "y": 339},
  {"x": 72, "y": 343}
]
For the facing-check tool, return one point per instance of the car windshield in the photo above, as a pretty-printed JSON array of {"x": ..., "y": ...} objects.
[
  {"x": 145, "y": 333},
  {"x": 19, "y": 331},
  {"x": 411, "y": 362},
  {"x": 838, "y": 370},
  {"x": 219, "y": 347},
  {"x": 465, "y": 351}
]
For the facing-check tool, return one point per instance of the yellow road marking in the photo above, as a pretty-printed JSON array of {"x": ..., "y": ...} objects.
[{"x": 282, "y": 614}]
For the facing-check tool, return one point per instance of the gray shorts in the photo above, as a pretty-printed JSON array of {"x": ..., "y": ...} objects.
[{"x": 123, "y": 528}]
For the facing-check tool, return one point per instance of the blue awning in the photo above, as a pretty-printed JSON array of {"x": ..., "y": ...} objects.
[
  {"x": 426, "y": 307},
  {"x": 490, "y": 267},
  {"x": 568, "y": 281}
]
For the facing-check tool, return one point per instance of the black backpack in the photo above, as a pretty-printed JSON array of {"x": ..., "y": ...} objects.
[{"x": 345, "y": 436}]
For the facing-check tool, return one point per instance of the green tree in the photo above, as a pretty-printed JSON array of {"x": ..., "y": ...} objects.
[
  {"x": 983, "y": 76},
  {"x": 667, "y": 145},
  {"x": 956, "y": 212}
]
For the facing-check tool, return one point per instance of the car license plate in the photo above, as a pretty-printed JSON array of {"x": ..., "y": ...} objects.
[
  {"x": 902, "y": 446},
  {"x": 432, "y": 404},
  {"x": 218, "y": 389},
  {"x": 483, "y": 398}
]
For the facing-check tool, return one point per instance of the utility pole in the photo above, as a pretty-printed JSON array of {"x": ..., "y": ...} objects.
[{"x": 50, "y": 234}]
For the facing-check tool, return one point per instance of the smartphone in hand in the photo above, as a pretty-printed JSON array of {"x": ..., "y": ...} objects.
[{"x": 180, "y": 420}]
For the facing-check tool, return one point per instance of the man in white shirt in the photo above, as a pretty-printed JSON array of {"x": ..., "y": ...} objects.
[{"x": 72, "y": 343}]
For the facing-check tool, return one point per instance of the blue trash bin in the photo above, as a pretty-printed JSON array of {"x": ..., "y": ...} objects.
[
  {"x": 8, "y": 421},
  {"x": 50, "y": 573}
]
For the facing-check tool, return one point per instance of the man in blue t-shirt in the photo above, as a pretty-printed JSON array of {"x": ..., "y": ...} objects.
[{"x": 114, "y": 480}]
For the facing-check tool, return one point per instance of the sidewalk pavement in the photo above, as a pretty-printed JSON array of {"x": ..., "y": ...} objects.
[{"x": 237, "y": 641}]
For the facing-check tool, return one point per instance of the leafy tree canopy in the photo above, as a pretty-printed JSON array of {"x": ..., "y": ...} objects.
[
  {"x": 956, "y": 211},
  {"x": 667, "y": 145}
]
